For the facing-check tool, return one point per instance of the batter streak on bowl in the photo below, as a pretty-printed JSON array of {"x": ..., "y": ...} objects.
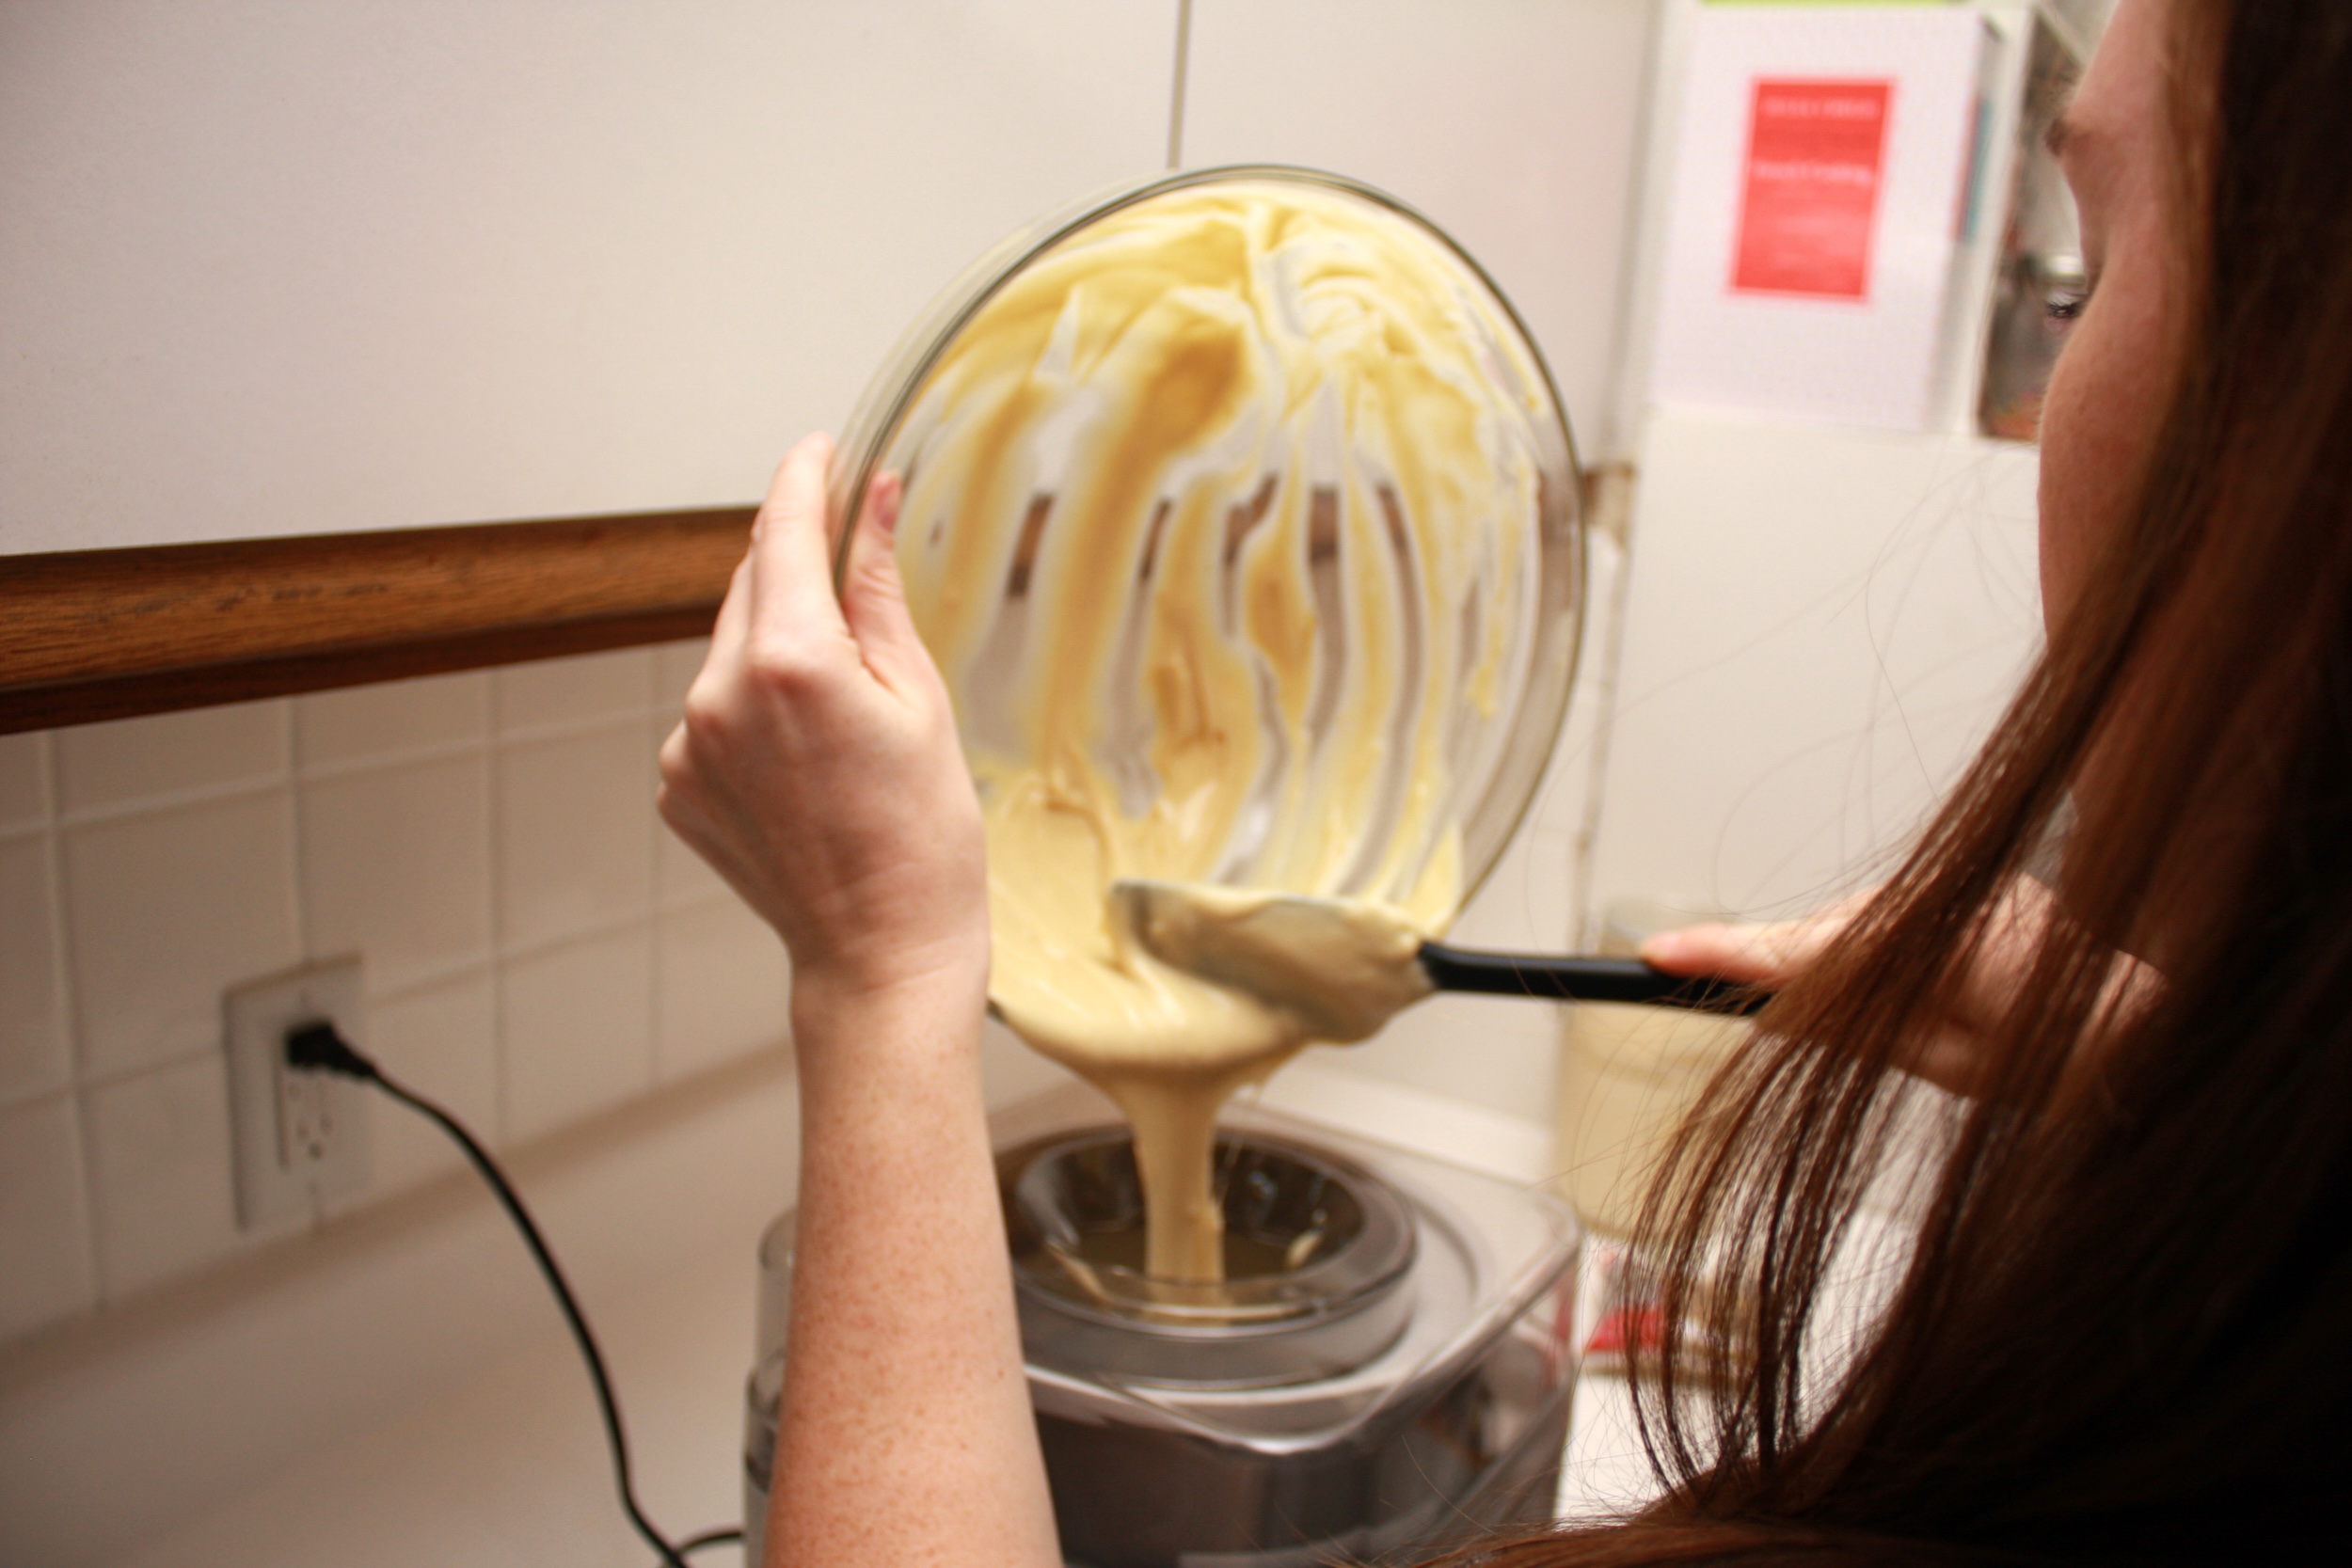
[{"x": 1222, "y": 520}]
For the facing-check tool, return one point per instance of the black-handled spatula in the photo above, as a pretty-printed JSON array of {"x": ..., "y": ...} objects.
[
  {"x": 1581, "y": 980},
  {"x": 1350, "y": 965}
]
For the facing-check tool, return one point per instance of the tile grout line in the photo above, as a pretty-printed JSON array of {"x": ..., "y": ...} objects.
[
  {"x": 566, "y": 729},
  {"x": 298, "y": 906},
  {"x": 653, "y": 943},
  {"x": 657, "y": 934},
  {"x": 385, "y": 762},
  {"x": 173, "y": 801},
  {"x": 19, "y": 1100},
  {"x": 438, "y": 977},
  {"x": 175, "y": 1062},
  {"x": 70, "y": 1003},
  {"x": 647, "y": 716},
  {"x": 493, "y": 896}
]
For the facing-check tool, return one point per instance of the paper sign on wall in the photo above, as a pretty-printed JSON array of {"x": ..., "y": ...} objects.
[
  {"x": 1810, "y": 197},
  {"x": 1811, "y": 244}
]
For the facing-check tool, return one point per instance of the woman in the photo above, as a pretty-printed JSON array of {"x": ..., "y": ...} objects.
[{"x": 2118, "y": 1334}]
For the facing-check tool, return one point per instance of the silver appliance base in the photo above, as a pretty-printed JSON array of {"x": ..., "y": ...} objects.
[{"x": 1455, "y": 1430}]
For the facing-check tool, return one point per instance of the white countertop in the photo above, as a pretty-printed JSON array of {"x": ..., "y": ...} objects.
[{"x": 507, "y": 1467}]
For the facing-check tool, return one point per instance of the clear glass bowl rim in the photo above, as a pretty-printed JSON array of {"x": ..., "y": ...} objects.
[{"x": 1488, "y": 829}]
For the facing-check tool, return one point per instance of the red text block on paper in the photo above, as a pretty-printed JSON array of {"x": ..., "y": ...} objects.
[{"x": 1817, "y": 153}]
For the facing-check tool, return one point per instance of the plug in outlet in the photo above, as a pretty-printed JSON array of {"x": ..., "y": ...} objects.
[{"x": 299, "y": 1136}]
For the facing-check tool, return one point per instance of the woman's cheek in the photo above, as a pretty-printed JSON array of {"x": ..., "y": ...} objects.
[
  {"x": 2100, "y": 424},
  {"x": 2066, "y": 500}
]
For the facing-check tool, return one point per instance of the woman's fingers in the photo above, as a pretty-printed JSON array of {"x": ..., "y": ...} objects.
[
  {"x": 711, "y": 701},
  {"x": 1946, "y": 1050},
  {"x": 1749, "y": 955},
  {"x": 1766, "y": 953},
  {"x": 874, "y": 600},
  {"x": 797, "y": 718},
  {"x": 734, "y": 622},
  {"x": 791, "y": 601}
]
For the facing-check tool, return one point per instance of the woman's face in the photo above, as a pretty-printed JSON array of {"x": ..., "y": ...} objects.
[{"x": 2115, "y": 375}]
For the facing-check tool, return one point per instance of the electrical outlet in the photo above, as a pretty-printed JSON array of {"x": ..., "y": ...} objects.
[{"x": 299, "y": 1136}]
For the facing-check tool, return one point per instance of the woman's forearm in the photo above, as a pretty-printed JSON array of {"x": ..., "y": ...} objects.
[
  {"x": 818, "y": 768},
  {"x": 906, "y": 1435}
]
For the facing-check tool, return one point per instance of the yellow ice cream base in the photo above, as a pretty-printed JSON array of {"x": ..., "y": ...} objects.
[{"x": 1145, "y": 482}]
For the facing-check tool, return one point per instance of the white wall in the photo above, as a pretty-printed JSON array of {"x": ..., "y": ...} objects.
[
  {"x": 273, "y": 267},
  {"x": 1511, "y": 122},
  {"x": 1821, "y": 626}
]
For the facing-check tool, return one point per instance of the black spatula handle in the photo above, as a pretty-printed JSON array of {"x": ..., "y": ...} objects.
[{"x": 1583, "y": 980}]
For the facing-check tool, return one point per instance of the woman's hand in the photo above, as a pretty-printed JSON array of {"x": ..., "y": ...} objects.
[
  {"x": 819, "y": 770},
  {"x": 1772, "y": 954},
  {"x": 1762, "y": 954},
  {"x": 818, "y": 766}
]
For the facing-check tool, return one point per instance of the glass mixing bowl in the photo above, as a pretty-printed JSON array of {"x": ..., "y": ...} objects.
[{"x": 1446, "y": 630}]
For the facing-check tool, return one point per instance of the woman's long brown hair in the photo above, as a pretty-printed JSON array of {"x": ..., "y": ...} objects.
[{"x": 2121, "y": 1335}]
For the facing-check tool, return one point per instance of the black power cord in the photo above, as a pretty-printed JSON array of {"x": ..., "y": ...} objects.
[{"x": 318, "y": 1048}]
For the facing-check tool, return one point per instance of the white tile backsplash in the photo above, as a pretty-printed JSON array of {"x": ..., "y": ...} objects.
[
  {"x": 166, "y": 910},
  {"x": 33, "y": 1054},
  {"x": 396, "y": 866},
  {"x": 680, "y": 875},
  {"x": 101, "y": 766},
  {"x": 724, "y": 984},
  {"x": 440, "y": 1041},
  {"x": 45, "y": 1267},
  {"x": 577, "y": 1023},
  {"x": 23, "y": 780},
  {"x": 196, "y": 852},
  {"x": 577, "y": 690},
  {"x": 575, "y": 833},
  {"x": 676, "y": 665},
  {"x": 370, "y": 722},
  {"x": 161, "y": 1174}
]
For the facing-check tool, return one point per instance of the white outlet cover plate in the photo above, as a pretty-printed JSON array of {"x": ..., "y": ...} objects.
[{"x": 279, "y": 1175}]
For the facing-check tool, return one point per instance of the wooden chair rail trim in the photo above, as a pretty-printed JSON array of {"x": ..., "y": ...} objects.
[{"x": 109, "y": 634}]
